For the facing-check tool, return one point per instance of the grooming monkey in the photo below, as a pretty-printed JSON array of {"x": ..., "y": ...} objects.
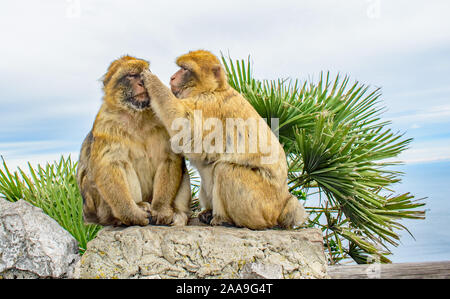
[
  {"x": 127, "y": 173},
  {"x": 245, "y": 189}
]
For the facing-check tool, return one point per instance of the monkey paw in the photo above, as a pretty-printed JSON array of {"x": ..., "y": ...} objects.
[
  {"x": 180, "y": 219},
  {"x": 162, "y": 216},
  {"x": 205, "y": 216},
  {"x": 145, "y": 206},
  {"x": 219, "y": 221},
  {"x": 147, "y": 77},
  {"x": 138, "y": 217}
]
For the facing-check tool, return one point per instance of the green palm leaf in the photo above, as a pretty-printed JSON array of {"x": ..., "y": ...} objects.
[
  {"x": 54, "y": 189},
  {"x": 337, "y": 146}
]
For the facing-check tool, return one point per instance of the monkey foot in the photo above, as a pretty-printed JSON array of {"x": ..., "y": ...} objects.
[
  {"x": 227, "y": 224},
  {"x": 217, "y": 221},
  {"x": 151, "y": 220},
  {"x": 206, "y": 216}
]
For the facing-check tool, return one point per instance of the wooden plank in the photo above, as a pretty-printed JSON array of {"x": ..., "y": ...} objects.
[{"x": 432, "y": 270}]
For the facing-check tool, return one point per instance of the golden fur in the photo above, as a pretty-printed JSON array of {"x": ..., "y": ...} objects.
[
  {"x": 238, "y": 187},
  {"x": 127, "y": 172}
]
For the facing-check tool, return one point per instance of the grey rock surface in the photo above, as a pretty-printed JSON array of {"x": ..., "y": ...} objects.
[
  {"x": 203, "y": 252},
  {"x": 33, "y": 245},
  {"x": 261, "y": 271}
]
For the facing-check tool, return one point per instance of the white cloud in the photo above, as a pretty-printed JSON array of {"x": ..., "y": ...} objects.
[
  {"x": 22, "y": 161},
  {"x": 429, "y": 115},
  {"x": 53, "y": 59},
  {"x": 9, "y": 148},
  {"x": 286, "y": 38},
  {"x": 426, "y": 151},
  {"x": 18, "y": 154}
]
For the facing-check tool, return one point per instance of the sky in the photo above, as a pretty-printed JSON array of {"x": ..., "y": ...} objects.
[{"x": 54, "y": 53}]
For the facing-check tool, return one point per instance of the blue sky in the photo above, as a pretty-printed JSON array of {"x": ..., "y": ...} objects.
[{"x": 54, "y": 52}]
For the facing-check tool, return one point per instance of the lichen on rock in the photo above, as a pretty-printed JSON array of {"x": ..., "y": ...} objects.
[{"x": 203, "y": 252}]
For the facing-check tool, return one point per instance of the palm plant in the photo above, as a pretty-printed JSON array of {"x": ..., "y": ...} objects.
[
  {"x": 54, "y": 189},
  {"x": 195, "y": 189},
  {"x": 338, "y": 152}
]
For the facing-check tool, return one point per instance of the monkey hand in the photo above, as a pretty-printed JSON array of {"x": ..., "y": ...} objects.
[
  {"x": 147, "y": 77},
  {"x": 138, "y": 217},
  {"x": 163, "y": 216},
  {"x": 155, "y": 88},
  {"x": 146, "y": 207}
]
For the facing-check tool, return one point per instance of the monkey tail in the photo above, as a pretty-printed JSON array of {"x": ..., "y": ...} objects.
[{"x": 293, "y": 214}]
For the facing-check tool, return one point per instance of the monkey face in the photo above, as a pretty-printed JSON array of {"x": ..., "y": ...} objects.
[
  {"x": 124, "y": 86},
  {"x": 181, "y": 81},
  {"x": 200, "y": 72},
  {"x": 134, "y": 93}
]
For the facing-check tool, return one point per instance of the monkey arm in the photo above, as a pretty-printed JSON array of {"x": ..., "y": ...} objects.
[
  {"x": 166, "y": 184},
  {"x": 166, "y": 106},
  {"x": 116, "y": 182}
]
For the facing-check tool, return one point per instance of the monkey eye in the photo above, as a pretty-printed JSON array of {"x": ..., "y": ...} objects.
[{"x": 132, "y": 76}]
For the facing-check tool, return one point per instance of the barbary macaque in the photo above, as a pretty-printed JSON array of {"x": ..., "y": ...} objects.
[
  {"x": 242, "y": 165},
  {"x": 127, "y": 172}
]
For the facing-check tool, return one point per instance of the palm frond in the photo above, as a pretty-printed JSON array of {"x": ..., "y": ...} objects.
[
  {"x": 337, "y": 143},
  {"x": 54, "y": 189}
]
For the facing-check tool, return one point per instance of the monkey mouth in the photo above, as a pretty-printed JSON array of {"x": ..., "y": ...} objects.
[
  {"x": 177, "y": 92},
  {"x": 140, "y": 96},
  {"x": 139, "y": 101}
]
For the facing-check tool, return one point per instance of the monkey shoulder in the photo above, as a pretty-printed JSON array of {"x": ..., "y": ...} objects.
[{"x": 234, "y": 105}]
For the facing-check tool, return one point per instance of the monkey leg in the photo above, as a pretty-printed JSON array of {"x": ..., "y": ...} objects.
[
  {"x": 206, "y": 200},
  {"x": 245, "y": 197},
  {"x": 165, "y": 188},
  {"x": 182, "y": 202},
  {"x": 219, "y": 214},
  {"x": 105, "y": 215},
  {"x": 96, "y": 210},
  {"x": 89, "y": 210},
  {"x": 113, "y": 185}
]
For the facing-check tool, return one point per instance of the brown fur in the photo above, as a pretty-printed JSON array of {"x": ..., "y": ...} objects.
[
  {"x": 237, "y": 187},
  {"x": 127, "y": 171}
]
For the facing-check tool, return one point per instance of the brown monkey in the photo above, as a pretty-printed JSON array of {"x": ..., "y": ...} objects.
[
  {"x": 246, "y": 187},
  {"x": 127, "y": 172}
]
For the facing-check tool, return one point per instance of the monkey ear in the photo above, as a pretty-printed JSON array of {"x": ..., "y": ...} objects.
[
  {"x": 105, "y": 79},
  {"x": 217, "y": 71},
  {"x": 219, "y": 75}
]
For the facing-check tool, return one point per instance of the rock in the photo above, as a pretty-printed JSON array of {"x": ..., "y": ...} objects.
[
  {"x": 18, "y": 274},
  {"x": 33, "y": 245},
  {"x": 203, "y": 252},
  {"x": 261, "y": 271}
]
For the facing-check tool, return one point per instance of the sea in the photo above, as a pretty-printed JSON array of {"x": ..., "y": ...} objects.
[{"x": 431, "y": 241}]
